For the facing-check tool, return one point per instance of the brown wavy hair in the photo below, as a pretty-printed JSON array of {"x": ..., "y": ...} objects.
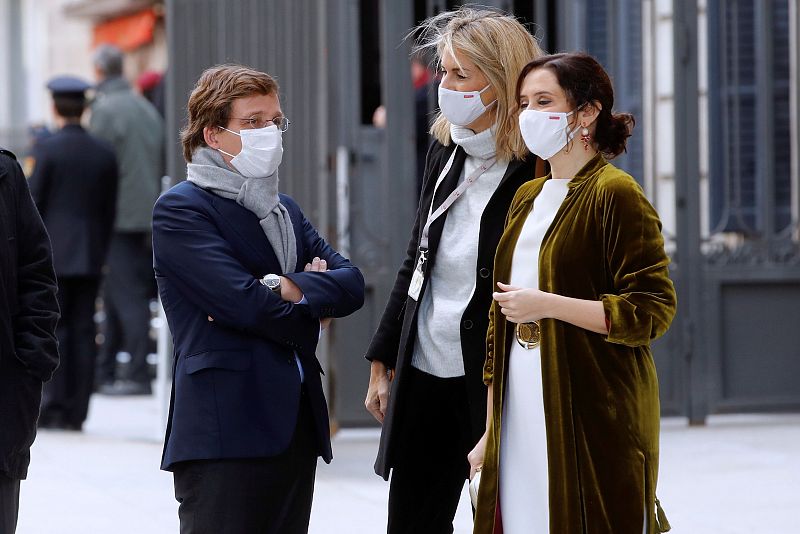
[
  {"x": 585, "y": 81},
  {"x": 212, "y": 98}
]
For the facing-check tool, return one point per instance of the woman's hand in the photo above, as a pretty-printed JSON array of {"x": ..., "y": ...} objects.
[
  {"x": 523, "y": 305},
  {"x": 380, "y": 380},
  {"x": 476, "y": 455}
]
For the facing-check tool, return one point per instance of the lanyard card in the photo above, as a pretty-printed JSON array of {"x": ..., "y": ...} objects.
[{"x": 419, "y": 275}]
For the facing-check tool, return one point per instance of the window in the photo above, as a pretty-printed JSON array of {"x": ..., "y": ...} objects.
[
  {"x": 748, "y": 82},
  {"x": 614, "y": 37}
]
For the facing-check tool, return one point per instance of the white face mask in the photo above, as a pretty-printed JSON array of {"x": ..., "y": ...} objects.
[
  {"x": 546, "y": 132},
  {"x": 462, "y": 107},
  {"x": 262, "y": 150}
]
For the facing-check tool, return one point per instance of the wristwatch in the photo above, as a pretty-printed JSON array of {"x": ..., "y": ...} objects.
[{"x": 273, "y": 282}]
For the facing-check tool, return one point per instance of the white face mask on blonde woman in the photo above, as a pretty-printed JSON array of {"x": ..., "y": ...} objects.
[{"x": 462, "y": 107}]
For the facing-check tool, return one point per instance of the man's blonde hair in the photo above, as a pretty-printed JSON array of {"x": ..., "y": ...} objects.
[
  {"x": 500, "y": 47},
  {"x": 212, "y": 99}
]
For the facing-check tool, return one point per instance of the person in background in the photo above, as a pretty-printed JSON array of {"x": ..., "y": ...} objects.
[
  {"x": 247, "y": 284},
  {"x": 74, "y": 185},
  {"x": 427, "y": 355},
  {"x": 28, "y": 318},
  {"x": 583, "y": 287},
  {"x": 36, "y": 133},
  {"x": 151, "y": 86},
  {"x": 134, "y": 128},
  {"x": 425, "y": 84}
]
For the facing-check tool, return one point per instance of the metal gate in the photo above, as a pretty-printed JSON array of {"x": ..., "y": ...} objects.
[{"x": 735, "y": 344}]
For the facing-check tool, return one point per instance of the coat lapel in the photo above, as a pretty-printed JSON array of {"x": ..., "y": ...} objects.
[
  {"x": 251, "y": 238},
  {"x": 447, "y": 186}
]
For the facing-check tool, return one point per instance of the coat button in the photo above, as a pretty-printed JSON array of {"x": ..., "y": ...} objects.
[
  {"x": 468, "y": 324},
  {"x": 484, "y": 272}
]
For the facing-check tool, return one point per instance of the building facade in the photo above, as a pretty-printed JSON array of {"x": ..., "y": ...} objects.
[{"x": 714, "y": 87}]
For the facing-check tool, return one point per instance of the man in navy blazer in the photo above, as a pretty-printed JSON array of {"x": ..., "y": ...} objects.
[{"x": 247, "y": 284}]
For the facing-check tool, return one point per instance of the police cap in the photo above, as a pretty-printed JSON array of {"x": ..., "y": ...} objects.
[{"x": 68, "y": 86}]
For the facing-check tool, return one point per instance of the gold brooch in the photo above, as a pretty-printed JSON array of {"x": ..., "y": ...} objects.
[{"x": 529, "y": 335}]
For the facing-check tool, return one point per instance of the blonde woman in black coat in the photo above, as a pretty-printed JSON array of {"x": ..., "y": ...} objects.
[{"x": 427, "y": 355}]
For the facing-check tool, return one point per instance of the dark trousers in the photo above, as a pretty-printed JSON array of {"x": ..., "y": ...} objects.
[
  {"x": 128, "y": 288},
  {"x": 430, "y": 463},
  {"x": 9, "y": 504},
  {"x": 66, "y": 397},
  {"x": 252, "y": 495}
]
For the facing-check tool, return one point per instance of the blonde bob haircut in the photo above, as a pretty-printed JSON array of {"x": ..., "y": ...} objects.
[{"x": 500, "y": 47}]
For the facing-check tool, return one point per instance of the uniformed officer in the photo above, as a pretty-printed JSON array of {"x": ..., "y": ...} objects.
[{"x": 74, "y": 185}]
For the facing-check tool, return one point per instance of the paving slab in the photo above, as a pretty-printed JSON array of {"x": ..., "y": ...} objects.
[{"x": 739, "y": 474}]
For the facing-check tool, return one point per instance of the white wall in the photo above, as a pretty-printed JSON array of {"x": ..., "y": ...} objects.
[
  {"x": 53, "y": 45},
  {"x": 659, "y": 110}
]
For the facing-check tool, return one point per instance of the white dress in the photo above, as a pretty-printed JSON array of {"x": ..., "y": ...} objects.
[{"x": 523, "y": 447}]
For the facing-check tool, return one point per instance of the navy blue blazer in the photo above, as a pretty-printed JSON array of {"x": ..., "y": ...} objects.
[{"x": 236, "y": 386}]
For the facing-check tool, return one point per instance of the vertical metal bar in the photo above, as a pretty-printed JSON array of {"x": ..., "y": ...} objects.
[
  {"x": 174, "y": 165},
  {"x": 765, "y": 151},
  {"x": 17, "y": 80},
  {"x": 434, "y": 7},
  {"x": 540, "y": 16},
  {"x": 794, "y": 108},
  {"x": 399, "y": 158},
  {"x": 343, "y": 200},
  {"x": 649, "y": 101},
  {"x": 572, "y": 25},
  {"x": 164, "y": 353},
  {"x": 687, "y": 192},
  {"x": 718, "y": 178}
]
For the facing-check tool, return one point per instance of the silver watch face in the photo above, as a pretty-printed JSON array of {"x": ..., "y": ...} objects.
[{"x": 272, "y": 281}]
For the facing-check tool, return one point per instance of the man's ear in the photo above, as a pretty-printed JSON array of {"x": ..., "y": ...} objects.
[
  {"x": 210, "y": 136},
  {"x": 589, "y": 113}
]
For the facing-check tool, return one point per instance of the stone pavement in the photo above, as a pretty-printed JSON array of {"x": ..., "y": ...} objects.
[{"x": 737, "y": 475}]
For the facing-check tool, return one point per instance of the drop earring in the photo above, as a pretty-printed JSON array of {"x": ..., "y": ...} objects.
[{"x": 586, "y": 139}]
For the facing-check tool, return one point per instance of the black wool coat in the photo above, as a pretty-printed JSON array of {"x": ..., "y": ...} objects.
[
  {"x": 28, "y": 317},
  {"x": 393, "y": 342}
]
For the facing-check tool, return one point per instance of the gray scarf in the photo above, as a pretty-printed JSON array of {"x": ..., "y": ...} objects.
[{"x": 260, "y": 195}]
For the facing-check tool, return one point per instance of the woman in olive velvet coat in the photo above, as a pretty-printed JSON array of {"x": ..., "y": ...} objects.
[{"x": 603, "y": 294}]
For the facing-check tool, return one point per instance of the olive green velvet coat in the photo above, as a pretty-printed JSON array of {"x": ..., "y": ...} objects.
[{"x": 600, "y": 392}]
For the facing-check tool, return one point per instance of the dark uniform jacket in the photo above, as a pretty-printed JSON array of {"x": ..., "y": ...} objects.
[
  {"x": 28, "y": 316},
  {"x": 74, "y": 185},
  {"x": 393, "y": 343},
  {"x": 236, "y": 386}
]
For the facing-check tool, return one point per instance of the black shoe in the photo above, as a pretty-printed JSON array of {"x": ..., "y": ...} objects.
[
  {"x": 125, "y": 387},
  {"x": 50, "y": 421},
  {"x": 99, "y": 384},
  {"x": 55, "y": 422}
]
